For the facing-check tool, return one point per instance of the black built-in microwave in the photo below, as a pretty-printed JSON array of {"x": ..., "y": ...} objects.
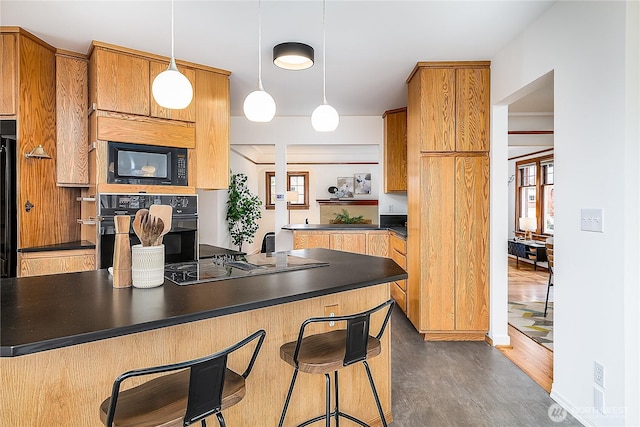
[{"x": 146, "y": 164}]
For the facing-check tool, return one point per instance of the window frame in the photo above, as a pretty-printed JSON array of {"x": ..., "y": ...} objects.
[
  {"x": 270, "y": 204},
  {"x": 539, "y": 163}
]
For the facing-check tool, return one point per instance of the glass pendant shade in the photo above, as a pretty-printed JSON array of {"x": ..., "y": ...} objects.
[
  {"x": 259, "y": 106},
  {"x": 171, "y": 89},
  {"x": 325, "y": 118}
]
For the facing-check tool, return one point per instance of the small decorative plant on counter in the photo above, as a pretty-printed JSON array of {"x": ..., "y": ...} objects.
[
  {"x": 243, "y": 211},
  {"x": 345, "y": 218}
]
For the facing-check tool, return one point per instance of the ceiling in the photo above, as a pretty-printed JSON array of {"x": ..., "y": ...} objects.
[{"x": 372, "y": 46}]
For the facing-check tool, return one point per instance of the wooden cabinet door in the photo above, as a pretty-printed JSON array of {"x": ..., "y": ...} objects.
[
  {"x": 8, "y": 75},
  {"x": 122, "y": 82},
  {"x": 437, "y": 239},
  {"x": 472, "y": 243},
  {"x": 302, "y": 240},
  {"x": 472, "y": 109},
  {"x": 437, "y": 109},
  {"x": 72, "y": 168},
  {"x": 348, "y": 242},
  {"x": 212, "y": 130},
  {"x": 187, "y": 114},
  {"x": 378, "y": 243},
  {"x": 395, "y": 150}
]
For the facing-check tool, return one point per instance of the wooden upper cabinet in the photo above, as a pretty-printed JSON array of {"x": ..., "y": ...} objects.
[
  {"x": 453, "y": 105},
  {"x": 8, "y": 75},
  {"x": 395, "y": 150},
  {"x": 472, "y": 109},
  {"x": 187, "y": 114},
  {"x": 121, "y": 82},
  {"x": 212, "y": 130},
  {"x": 72, "y": 165},
  {"x": 438, "y": 106}
]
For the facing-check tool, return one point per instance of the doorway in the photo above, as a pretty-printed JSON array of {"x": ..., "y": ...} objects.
[{"x": 530, "y": 195}]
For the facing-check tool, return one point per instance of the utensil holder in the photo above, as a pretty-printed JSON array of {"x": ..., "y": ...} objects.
[{"x": 147, "y": 266}]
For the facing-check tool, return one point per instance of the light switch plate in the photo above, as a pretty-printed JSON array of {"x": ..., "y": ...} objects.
[{"x": 591, "y": 220}]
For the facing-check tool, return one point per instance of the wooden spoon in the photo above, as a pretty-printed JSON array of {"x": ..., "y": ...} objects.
[
  {"x": 163, "y": 212},
  {"x": 141, "y": 215}
]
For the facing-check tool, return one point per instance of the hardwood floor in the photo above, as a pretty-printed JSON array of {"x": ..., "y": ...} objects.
[{"x": 527, "y": 284}]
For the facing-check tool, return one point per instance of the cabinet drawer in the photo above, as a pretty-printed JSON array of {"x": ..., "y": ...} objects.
[
  {"x": 398, "y": 244},
  {"x": 399, "y": 258},
  {"x": 402, "y": 284},
  {"x": 399, "y": 296},
  {"x": 42, "y": 263}
]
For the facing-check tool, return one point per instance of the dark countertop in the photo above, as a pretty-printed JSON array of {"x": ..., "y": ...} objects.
[
  {"x": 67, "y": 246},
  {"x": 402, "y": 231},
  {"x": 210, "y": 251},
  {"x": 47, "y": 312}
]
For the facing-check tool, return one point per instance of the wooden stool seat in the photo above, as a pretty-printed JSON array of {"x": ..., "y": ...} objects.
[
  {"x": 163, "y": 400},
  {"x": 323, "y": 353},
  {"x": 186, "y": 392}
]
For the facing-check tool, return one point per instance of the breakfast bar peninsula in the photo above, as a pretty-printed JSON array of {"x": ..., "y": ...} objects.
[{"x": 65, "y": 338}]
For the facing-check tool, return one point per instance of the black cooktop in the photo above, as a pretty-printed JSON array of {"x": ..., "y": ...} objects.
[{"x": 232, "y": 267}]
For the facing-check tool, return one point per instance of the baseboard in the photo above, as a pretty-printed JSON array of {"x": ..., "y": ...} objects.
[
  {"x": 498, "y": 341},
  {"x": 578, "y": 415}
]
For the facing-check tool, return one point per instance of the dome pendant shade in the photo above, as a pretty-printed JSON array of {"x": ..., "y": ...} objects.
[
  {"x": 325, "y": 118},
  {"x": 171, "y": 89},
  {"x": 259, "y": 106},
  {"x": 293, "y": 56}
]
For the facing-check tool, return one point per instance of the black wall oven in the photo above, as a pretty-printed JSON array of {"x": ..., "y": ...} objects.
[
  {"x": 181, "y": 242},
  {"x": 146, "y": 164}
]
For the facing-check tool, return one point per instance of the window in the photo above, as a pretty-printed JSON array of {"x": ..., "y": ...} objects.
[
  {"x": 547, "y": 197},
  {"x": 534, "y": 197},
  {"x": 296, "y": 181}
]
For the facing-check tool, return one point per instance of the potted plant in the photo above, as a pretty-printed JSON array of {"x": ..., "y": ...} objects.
[
  {"x": 345, "y": 218},
  {"x": 243, "y": 211}
]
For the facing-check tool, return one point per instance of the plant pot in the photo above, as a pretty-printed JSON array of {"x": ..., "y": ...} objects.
[{"x": 147, "y": 266}]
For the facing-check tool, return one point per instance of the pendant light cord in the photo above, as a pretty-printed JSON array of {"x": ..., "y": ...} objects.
[
  {"x": 259, "y": 46},
  {"x": 324, "y": 53},
  {"x": 172, "y": 34}
]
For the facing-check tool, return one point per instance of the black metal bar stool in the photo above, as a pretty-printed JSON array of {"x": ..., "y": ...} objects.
[
  {"x": 200, "y": 388},
  {"x": 331, "y": 351}
]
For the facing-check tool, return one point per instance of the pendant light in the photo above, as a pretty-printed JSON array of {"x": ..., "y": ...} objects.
[
  {"x": 171, "y": 89},
  {"x": 325, "y": 118},
  {"x": 259, "y": 106}
]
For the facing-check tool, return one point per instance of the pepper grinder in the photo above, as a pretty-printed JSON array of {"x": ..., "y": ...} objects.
[{"x": 122, "y": 253}]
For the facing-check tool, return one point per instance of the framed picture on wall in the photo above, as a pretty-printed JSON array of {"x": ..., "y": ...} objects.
[
  {"x": 362, "y": 183},
  {"x": 345, "y": 186}
]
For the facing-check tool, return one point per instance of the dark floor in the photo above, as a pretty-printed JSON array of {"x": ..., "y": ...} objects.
[{"x": 461, "y": 384}]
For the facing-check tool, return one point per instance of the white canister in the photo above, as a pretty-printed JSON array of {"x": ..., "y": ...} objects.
[{"x": 147, "y": 266}]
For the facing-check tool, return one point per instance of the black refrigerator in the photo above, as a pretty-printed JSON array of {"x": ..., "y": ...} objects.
[{"x": 9, "y": 228}]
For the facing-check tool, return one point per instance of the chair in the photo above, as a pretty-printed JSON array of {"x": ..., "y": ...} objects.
[
  {"x": 200, "y": 388},
  {"x": 268, "y": 243},
  {"x": 549, "y": 248},
  {"x": 328, "y": 352}
]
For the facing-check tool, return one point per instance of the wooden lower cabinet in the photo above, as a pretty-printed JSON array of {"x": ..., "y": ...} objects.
[
  {"x": 54, "y": 262},
  {"x": 368, "y": 242},
  {"x": 448, "y": 290}
]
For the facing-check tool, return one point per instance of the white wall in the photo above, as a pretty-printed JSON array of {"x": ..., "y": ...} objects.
[{"x": 593, "y": 55}]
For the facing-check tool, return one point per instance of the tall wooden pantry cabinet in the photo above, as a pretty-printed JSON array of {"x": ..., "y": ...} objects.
[{"x": 448, "y": 199}]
